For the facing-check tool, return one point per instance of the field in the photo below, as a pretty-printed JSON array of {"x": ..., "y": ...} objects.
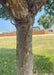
[
  {"x": 51, "y": 32},
  {"x": 43, "y": 45},
  {"x": 43, "y": 50}
]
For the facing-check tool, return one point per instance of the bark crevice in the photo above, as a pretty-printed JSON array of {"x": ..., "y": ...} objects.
[
  {"x": 23, "y": 13},
  {"x": 24, "y": 50}
]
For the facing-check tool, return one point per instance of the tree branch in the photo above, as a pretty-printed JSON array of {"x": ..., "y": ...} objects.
[
  {"x": 17, "y": 7},
  {"x": 6, "y": 6},
  {"x": 39, "y": 4},
  {"x": 20, "y": 9},
  {"x": 35, "y": 5}
]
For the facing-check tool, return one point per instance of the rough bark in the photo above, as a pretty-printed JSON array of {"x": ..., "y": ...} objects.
[
  {"x": 20, "y": 9},
  {"x": 23, "y": 13},
  {"x": 24, "y": 50}
]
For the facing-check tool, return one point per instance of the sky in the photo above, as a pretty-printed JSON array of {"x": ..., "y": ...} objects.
[
  {"x": 5, "y": 25},
  {"x": 37, "y": 17}
]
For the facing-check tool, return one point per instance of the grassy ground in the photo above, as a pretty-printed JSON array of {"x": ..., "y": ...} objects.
[
  {"x": 43, "y": 45},
  {"x": 43, "y": 50},
  {"x": 51, "y": 32}
]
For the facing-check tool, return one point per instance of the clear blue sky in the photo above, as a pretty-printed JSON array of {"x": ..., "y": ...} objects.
[
  {"x": 5, "y": 24},
  {"x": 37, "y": 17}
]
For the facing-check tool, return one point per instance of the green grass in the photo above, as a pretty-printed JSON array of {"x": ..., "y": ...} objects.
[
  {"x": 51, "y": 32},
  {"x": 8, "y": 56},
  {"x": 43, "y": 50},
  {"x": 43, "y": 45},
  {"x": 9, "y": 43}
]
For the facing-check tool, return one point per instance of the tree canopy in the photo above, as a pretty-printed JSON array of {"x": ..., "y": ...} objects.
[
  {"x": 49, "y": 7},
  {"x": 33, "y": 9},
  {"x": 46, "y": 21},
  {"x": 23, "y": 13}
]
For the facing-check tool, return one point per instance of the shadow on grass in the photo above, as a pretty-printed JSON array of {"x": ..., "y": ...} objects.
[
  {"x": 8, "y": 61},
  {"x": 6, "y": 50},
  {"x": 42, "y": 64}
]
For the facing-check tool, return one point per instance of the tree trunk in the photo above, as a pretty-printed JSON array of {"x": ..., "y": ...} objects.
[{"x": 24, "y": 50}]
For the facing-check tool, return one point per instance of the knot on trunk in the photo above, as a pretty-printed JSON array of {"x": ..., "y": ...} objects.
[{"x": 26, "y": 21}]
